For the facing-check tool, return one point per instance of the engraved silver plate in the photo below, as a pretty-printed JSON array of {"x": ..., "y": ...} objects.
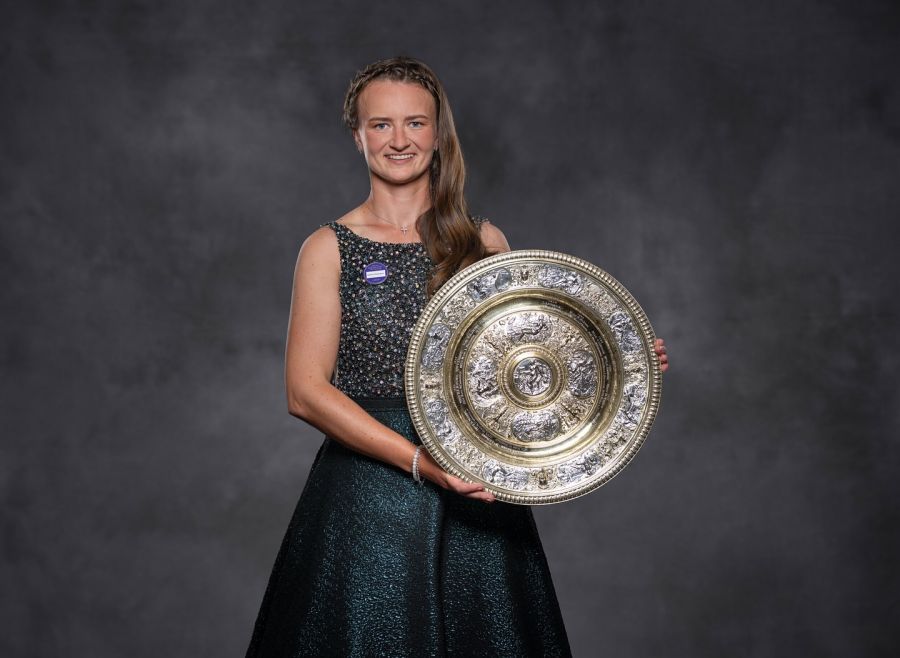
[{"x": 533, "y": 373}]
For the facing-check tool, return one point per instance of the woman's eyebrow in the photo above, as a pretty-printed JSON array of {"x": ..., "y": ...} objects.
[{"x": 388, "y": 119}]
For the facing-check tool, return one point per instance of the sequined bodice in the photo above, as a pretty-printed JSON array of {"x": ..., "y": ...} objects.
[{"x": 382, "y": 289}]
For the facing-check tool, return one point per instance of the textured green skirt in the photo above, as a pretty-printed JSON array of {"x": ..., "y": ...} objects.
[{"x": 373, "y": 564}]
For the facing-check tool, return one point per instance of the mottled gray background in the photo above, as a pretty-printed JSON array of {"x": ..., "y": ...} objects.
[{"x": 734, "y": 164}]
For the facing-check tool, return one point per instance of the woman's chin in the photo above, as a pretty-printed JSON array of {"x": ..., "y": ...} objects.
[{"x": 400, "y": 177}]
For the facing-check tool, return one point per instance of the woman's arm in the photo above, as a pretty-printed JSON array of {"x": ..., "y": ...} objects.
[{"x": 312, "y": 346}]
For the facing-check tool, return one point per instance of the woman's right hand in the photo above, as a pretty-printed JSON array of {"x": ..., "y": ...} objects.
[{"x": 432, "y": 471}]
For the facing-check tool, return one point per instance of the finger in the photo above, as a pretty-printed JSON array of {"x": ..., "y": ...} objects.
[
  {"x": 465, "y": 488},
  {"x": 472, "y": 490},
  {"x": 486, "y": 496},
  {"x": 468, "y": 487}
]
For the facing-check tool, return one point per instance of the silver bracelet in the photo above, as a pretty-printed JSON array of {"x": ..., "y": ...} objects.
[{"x": 415, "y": 467}]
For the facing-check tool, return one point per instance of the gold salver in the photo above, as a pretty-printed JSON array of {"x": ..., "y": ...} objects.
[{"x": 533, "y": 373}]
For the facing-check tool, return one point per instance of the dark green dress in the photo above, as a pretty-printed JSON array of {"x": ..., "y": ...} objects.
[{"x": 372, "y": 563}]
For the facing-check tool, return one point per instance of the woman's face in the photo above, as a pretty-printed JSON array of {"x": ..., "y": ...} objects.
[{"x": 397, "y": 130}]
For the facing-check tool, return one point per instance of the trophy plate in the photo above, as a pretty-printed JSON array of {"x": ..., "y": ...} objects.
[{"x": 534, "y": 374}]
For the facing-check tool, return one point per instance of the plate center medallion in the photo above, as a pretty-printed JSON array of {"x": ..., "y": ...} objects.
[{"x": 532, "y": 376}]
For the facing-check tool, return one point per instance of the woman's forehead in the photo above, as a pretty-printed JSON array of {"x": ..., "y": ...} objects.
[{"x": 390, "y": 98}]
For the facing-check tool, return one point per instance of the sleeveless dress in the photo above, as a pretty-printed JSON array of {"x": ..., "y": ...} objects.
[{"x": 374, "y": 564}]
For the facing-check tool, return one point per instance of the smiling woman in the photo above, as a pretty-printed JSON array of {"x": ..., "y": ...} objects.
[{"x": 375, "y": 562}]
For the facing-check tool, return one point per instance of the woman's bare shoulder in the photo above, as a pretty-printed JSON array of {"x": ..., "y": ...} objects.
[
  {"x": 320, "y": 249},
  {"x": 323, "y": 242},
  {"x": 323, "y": 238},
  {"x": 492, "y": 237}
]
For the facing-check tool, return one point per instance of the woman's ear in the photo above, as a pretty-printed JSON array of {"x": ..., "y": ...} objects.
[{"x": 357, "y": 141}]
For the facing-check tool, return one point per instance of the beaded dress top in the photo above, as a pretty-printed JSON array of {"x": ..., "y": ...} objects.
[{"x": 383, "y": 292}]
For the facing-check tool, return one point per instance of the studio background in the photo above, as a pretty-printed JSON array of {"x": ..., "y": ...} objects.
[{"x": 734, "y": 164}]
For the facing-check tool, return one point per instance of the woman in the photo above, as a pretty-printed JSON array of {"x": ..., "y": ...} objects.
[{"x": 374, "y": 563}]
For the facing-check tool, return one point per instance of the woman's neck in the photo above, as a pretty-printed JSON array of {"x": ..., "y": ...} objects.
[{"x": 399, "y": 204}]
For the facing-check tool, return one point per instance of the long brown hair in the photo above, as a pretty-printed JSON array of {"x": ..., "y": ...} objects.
[{"x": 449, "y": 235}]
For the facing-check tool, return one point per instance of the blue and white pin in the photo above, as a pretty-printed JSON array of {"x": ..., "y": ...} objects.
[{"x": 375, "y": 273}]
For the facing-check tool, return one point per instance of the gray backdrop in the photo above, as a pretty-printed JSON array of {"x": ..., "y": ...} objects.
[{"x": 734, "y": 164}]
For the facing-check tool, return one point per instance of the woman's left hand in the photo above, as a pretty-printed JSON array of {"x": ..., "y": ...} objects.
[{"x": 659, "y": 347}]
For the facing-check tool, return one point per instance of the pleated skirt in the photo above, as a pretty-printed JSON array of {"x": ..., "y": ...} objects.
[{"x": 373, "y": 564}]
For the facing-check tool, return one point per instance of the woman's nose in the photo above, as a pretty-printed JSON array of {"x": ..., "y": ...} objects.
[{"x": 399, "y": 140}]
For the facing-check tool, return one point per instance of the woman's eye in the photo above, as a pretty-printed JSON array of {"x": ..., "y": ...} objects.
[
  {"x": 379, "y": 126},
  {"x": 415, "y": 124}
]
